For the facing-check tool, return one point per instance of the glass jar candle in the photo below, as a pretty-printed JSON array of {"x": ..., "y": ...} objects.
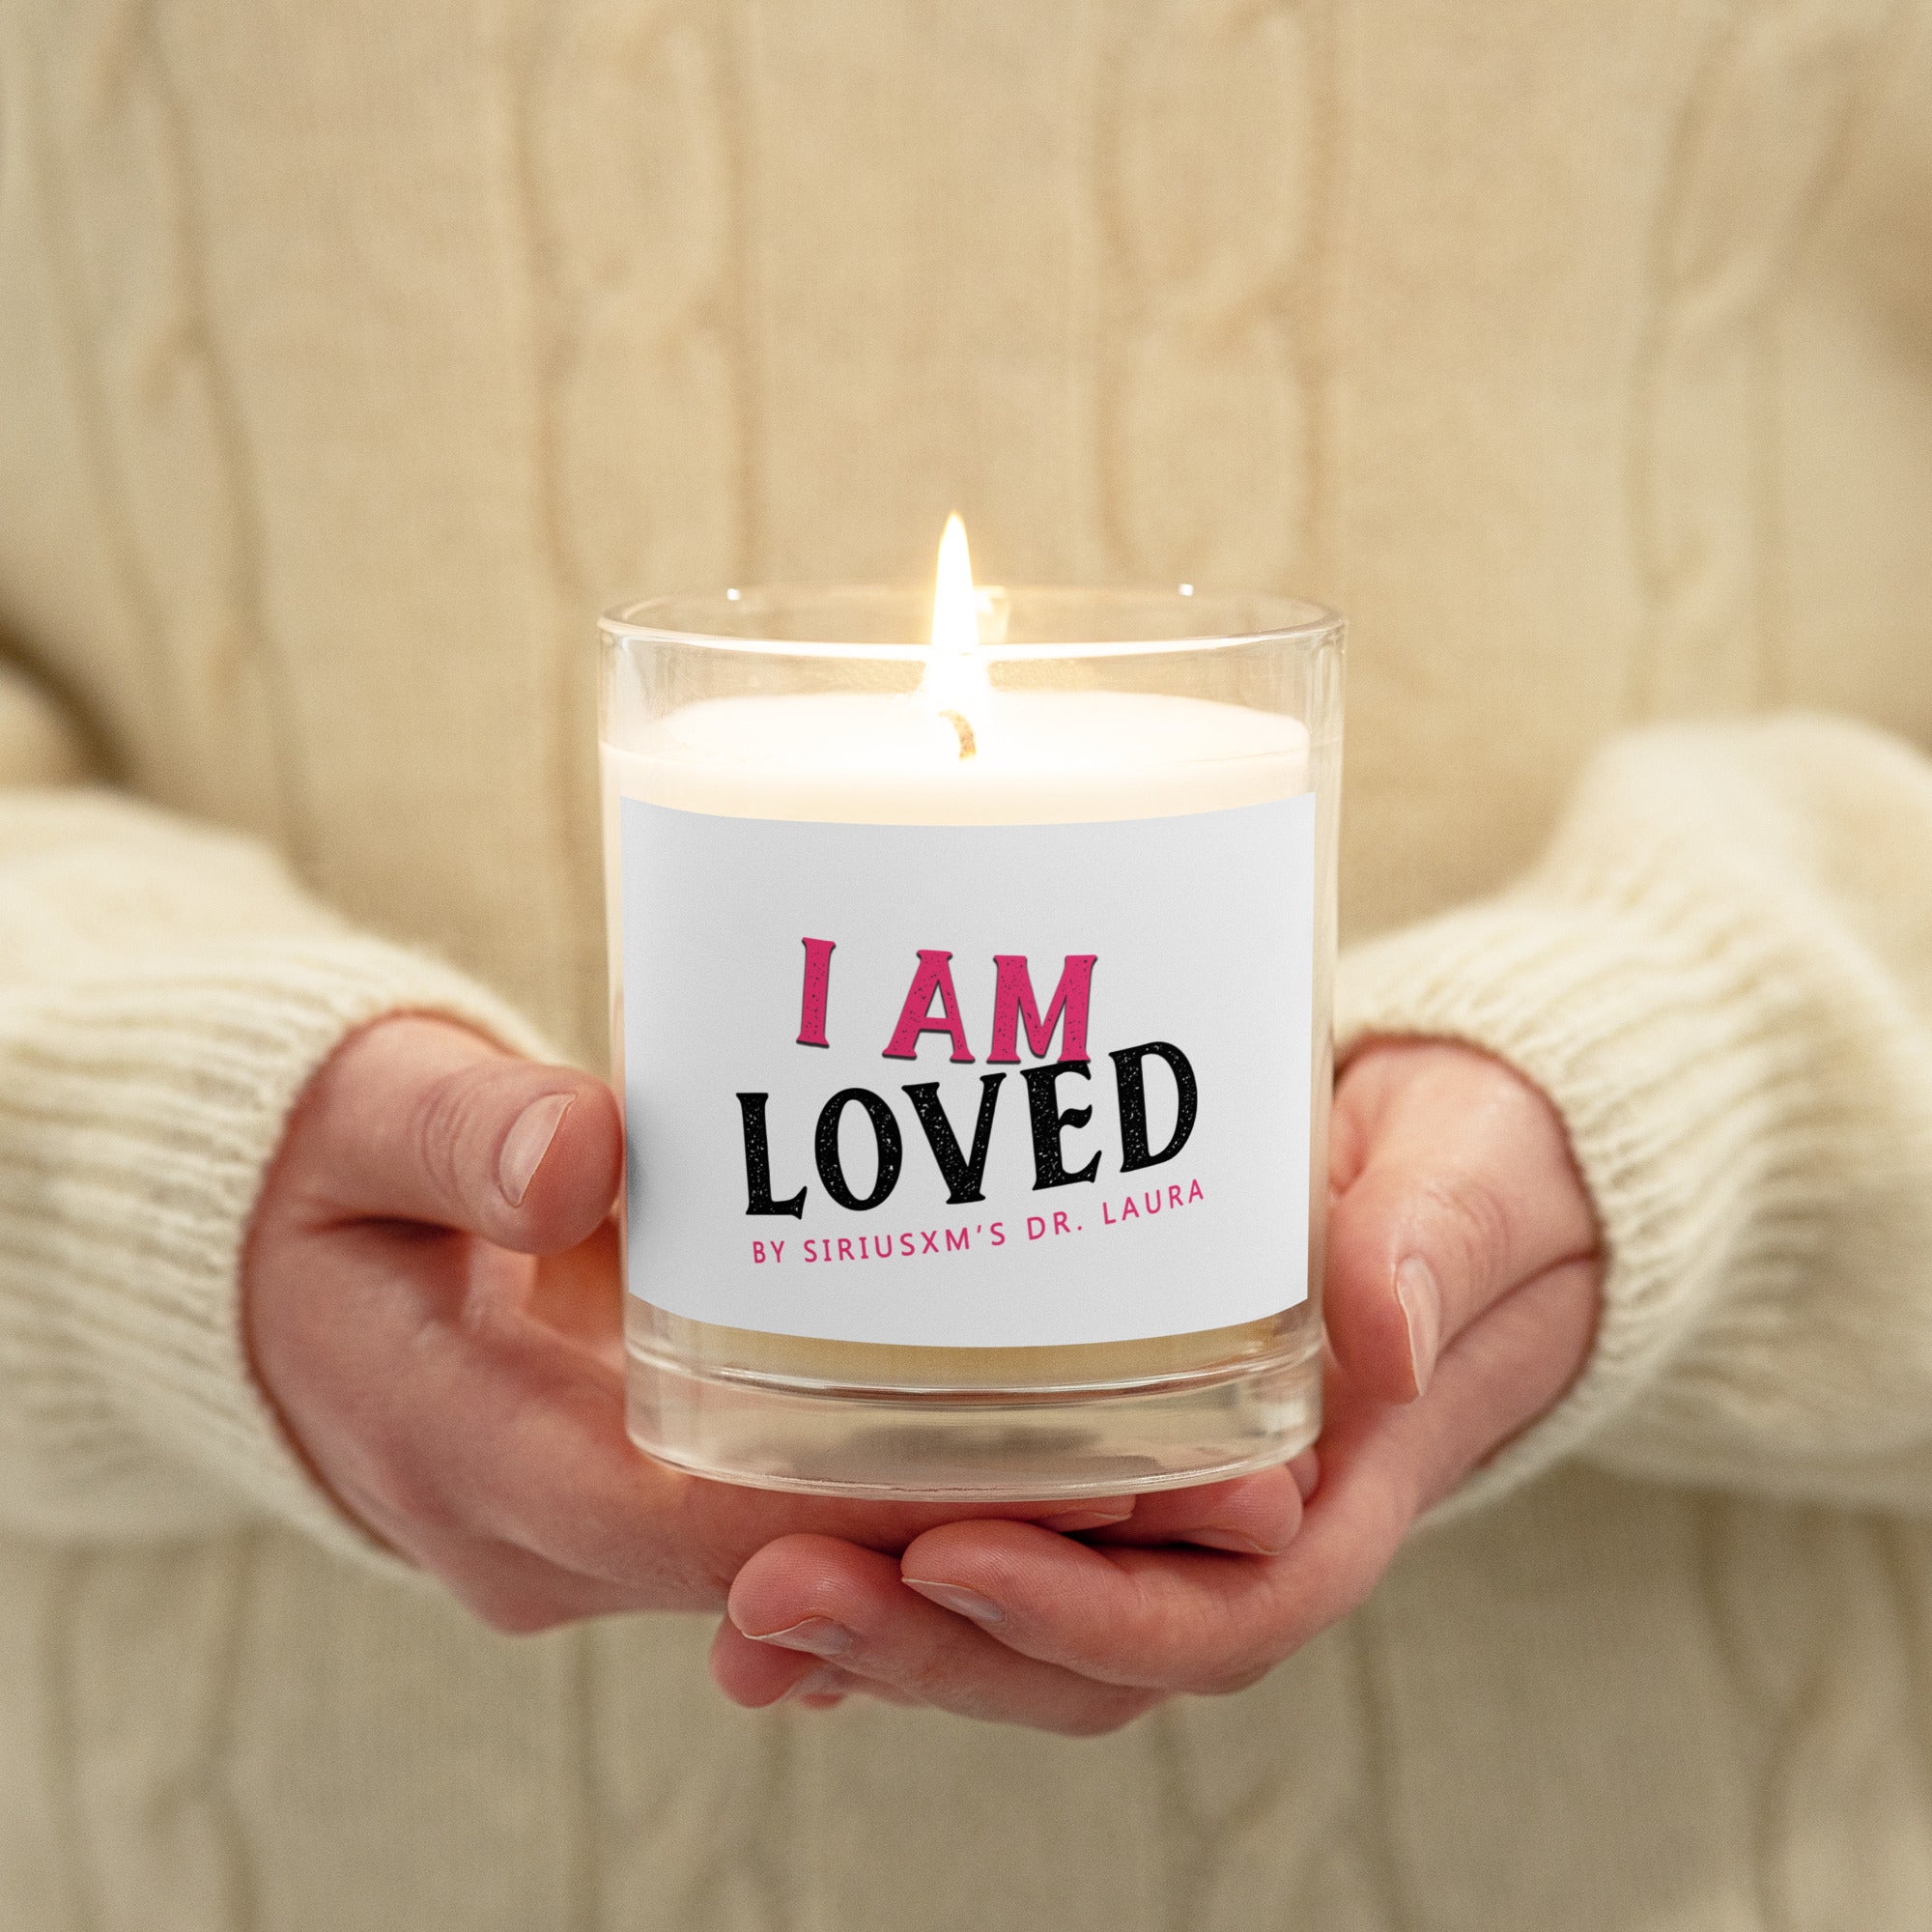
[{"x": 971, "y": 1017}]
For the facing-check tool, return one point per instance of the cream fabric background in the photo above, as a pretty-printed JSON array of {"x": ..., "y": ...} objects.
[
  {"x": 1581, "y": 360},
  {"x": 353, "y": 354}
]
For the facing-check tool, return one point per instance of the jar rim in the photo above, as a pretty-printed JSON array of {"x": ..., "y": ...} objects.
[{"x": 1169, "y": 620}]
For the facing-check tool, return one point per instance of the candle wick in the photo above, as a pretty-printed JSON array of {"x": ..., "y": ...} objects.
[{"x": 967, "y": 743}]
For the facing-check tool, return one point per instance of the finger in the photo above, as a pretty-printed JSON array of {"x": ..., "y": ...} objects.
[
  {"x": 1170, "y": 1620},
  {"x": 1161, "y": 1620},
  {"x": 419, "y": 1119},
  {"x": 1254, "y": 1516},
  {"x": 1504, "y": 1373},
  {"x": 757, "y": 1676},
  {"x": 808, "y": 1602},
  {"x": 814, "y": 1687},
  {"x": 1457, "y": 1184}
]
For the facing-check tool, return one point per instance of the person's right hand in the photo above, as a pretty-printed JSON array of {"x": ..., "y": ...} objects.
[{"x": 431, "y": 1301}]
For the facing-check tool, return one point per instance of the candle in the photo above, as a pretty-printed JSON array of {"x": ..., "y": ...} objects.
[{"x": 895, "y": 1225}]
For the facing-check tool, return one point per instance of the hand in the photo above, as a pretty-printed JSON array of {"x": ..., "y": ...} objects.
[
  {"x": 1461, "y": 1299},
  {"x": 431, "y": 1301}
]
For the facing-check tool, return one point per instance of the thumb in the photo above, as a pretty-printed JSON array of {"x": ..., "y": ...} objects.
[
  {"x": 1461, "y": 1187},
  {"x": 416, "y": 1118}
]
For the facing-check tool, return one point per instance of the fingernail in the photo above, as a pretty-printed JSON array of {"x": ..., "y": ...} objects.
[
  {"x": 1230, "y": 1540},
  {"x": 819, "y": 1635},
  {"x": 1306, "y": 1469},
  {"x": 1421, "y": 1299},
  {"x": 527, "y": 1144},
  {"x": 963, "y": 1603},
  {"x": 824, "y": 1681},
  {"x": 1073, "y": 1521}
]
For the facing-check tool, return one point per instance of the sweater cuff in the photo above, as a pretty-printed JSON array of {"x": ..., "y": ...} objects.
[
  {"x": 1651, "y": 1021},
  {"x": 138, "y": 1136}
]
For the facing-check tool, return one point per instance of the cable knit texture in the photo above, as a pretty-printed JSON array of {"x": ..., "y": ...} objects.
[
  {"x": 169, "y": 995},
  {"x": 1705, "y": 973},
  {"x": 355, "y": 353}
]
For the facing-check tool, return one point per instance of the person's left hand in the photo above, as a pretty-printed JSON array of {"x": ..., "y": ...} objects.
[
  {"x": 1461, "y": 1299},
  {"x": 432, "y": 1305}
]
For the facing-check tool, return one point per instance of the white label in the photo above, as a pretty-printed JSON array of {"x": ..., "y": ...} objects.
[{"x": 970, "y": 992}]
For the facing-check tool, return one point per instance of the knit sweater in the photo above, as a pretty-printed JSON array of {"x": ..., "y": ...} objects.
[{"x": 354, "y": 353}]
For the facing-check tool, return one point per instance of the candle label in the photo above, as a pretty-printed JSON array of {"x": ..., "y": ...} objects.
[{"x": 969, "y": 1085}]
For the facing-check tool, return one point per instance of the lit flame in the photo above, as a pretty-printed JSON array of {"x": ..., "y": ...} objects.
[
  {"x": 955, "y": 626},
  {"x": 956, "y": 683}
]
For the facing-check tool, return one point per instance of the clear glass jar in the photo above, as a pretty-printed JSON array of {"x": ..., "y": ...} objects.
[{"x": 1114, "y": 708}]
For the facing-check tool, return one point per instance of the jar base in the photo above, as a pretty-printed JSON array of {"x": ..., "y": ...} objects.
[{"x": 941, "y": 1446}]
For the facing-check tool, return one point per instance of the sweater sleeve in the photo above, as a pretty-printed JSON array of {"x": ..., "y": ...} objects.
[
  {"x": 165, "y": 993},
  {"x": 1721, "y": 975}
]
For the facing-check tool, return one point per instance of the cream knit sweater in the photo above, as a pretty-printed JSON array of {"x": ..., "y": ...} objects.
[{"x": 351, "y": 354}]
